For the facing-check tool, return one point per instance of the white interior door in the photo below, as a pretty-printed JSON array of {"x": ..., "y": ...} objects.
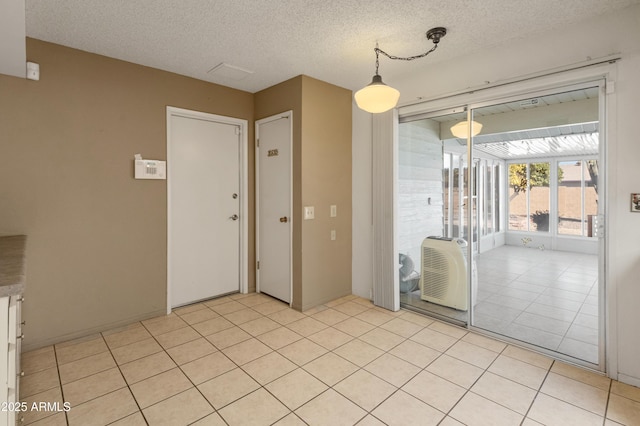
[
  {"x": 204, "y": 208},
  {"x": 274, "y": 135}
]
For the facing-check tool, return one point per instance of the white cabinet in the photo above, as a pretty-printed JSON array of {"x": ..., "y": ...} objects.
[
  {"x": 11, "y": 339},
  {"x": 12, "y": 285},
  {"x": 4, "y": 357}
]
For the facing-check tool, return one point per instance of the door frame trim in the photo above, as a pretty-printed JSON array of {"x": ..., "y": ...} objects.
[
  {"x": 244, "y": 189},
  {"x": 289, "y": 116}
]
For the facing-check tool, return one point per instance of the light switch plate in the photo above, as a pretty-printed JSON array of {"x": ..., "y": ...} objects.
[
  {"x": 309, "y": 213},
  {"x": 334, "y": 210}
]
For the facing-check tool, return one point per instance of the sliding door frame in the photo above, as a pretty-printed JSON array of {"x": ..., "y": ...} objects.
[
  {"x": 571, "y": 78},
  {"x": 599, "y": 82}
]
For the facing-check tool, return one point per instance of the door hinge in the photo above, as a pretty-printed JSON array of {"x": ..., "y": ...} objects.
[
  {"x": 258, "y": 264},
  {"x": 238, "y": 130},
  {"x": 258, "y": 143}
]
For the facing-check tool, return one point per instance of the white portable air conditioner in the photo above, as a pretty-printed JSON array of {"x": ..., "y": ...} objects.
[{"x": 444, "y": 272}]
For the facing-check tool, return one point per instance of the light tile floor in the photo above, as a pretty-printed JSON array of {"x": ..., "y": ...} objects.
[
  {"x": 541, "y": 297},
  {"x": 250, "y": 360}
]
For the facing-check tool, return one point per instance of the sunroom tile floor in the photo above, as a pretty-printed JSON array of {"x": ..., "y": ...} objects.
[
  {"x": 541, "y": 297},
  {"x": 251, "y": 360}
]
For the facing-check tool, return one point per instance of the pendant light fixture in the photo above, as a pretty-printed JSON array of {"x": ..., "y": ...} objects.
[
  {"x": 461, "y": 129},
  {"x": 378, "y": 97}
]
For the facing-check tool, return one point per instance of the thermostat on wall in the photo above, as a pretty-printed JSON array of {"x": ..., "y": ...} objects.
[{"x": 149, "y": 169}]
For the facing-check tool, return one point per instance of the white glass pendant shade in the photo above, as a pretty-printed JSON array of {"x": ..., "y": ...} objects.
[
  {"x": 377, "y": 97},
  {"x": 461, "y": 130}
]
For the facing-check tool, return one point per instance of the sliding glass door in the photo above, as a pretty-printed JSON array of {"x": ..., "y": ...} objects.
[
  {"x": 541, "y": 285},
  {"x": 520, "y": 196}
]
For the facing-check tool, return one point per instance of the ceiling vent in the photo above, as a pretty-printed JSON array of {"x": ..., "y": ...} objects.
[
  {"x": 530, "y": 102},
  {"x": 229, "y": 72}
]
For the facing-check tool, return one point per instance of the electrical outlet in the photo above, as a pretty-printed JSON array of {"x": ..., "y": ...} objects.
[
  {"x": 333, "y": 235},
  {"x": 309, "y": 213}
]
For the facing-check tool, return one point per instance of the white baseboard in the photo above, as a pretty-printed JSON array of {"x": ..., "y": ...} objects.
[
  {"x": 89, "y": 331},
  {"x": 633, "y": 381}
]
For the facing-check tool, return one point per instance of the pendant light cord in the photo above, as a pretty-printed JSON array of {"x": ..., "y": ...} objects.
[
  {"x": 434, "y": 34},
  {"x": 401, "y": 58}
]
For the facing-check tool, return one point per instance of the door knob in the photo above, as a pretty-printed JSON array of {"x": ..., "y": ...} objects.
[
  {"x": 284, "y": 219},
  {"x": 234, "y": 217}
]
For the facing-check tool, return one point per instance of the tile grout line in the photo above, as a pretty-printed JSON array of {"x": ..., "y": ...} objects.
[
  {"x": 161, "y": 373},
  {"x": 261, "y": 386},
  {"x": 363, "y": 367},
  {"x": 55, "y": 355},
  {"x": 93, "y": 374},
  {"x": 118, "y": 366},
  {"x": 236, "y": 366},
  {"x": 565, "y": 270},
  {"x": 539, "y": 390},
  {"x": 397, "y": 388},
  {"x": 578, "y": 381},
  {"x": 125, "y": 379},
  {"x": 301, "y": 367},
  {"x": 188, "y": 325},
  {"x": 606, "y": 407},
  {"x": 448, "y": 413},
  {"x": 215, "y": 411}
]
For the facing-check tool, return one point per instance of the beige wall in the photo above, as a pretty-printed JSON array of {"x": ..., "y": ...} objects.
[
  {"x": 326, "y": 180},
  {"x": 97, "y": 237},
  {"x": 321, "y": 177}
]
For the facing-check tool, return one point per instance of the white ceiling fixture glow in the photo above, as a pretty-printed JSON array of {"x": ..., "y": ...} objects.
[{"x": 461, "y": 130}]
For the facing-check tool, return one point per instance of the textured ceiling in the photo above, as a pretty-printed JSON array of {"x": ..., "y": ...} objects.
[{"x": 276, "y": 40}]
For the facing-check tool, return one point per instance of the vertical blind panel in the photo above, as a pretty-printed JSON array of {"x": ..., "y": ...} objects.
[{"x": 385, "y": 269}]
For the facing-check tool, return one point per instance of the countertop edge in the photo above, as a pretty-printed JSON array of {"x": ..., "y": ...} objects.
[{"x": 12, "y": 265}]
